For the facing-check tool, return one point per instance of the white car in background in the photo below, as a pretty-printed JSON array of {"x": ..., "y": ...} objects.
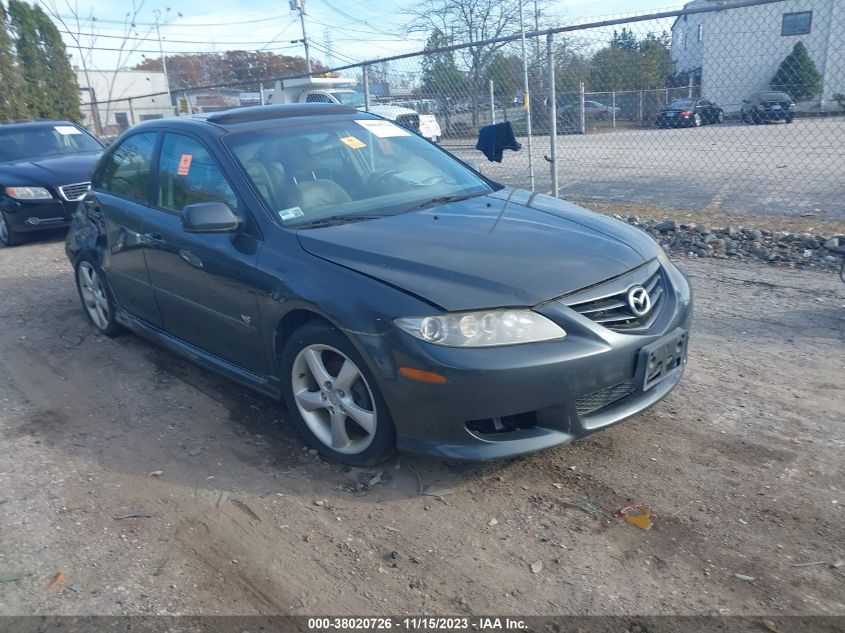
[{"x": 338, "y": 90}]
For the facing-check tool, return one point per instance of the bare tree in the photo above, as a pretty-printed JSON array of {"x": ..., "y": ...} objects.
[
  {"x": 83, "y": 30},
  {"x": 466, "y": 21}
]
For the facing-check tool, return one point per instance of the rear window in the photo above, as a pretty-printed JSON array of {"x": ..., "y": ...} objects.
[{"x": 682, "y": 103}]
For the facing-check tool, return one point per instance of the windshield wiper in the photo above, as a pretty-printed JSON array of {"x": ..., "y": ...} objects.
[
  {"x": 443, "y": 200},
  {"x": 336, "y": 220}
]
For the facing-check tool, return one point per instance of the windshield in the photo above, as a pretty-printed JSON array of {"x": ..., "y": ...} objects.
[
  {"x": 350, "y": 98},
  {"x": 334, "y": 169},
  {"x": 681, "y": 104},
  {"x": 28, "y": 143}
]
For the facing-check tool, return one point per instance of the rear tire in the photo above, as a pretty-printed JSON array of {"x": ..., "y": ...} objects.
[
  {"x": 333, "y": 399},
  {"x": 96, "y": 297},
  {"x": 696, "y": 120},
  {"x": 789, "y": 119},
  {"x": 8, "y": 235}
]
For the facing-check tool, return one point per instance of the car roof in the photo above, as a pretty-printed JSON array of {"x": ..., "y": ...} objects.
[{"x": 253, "y": 118}]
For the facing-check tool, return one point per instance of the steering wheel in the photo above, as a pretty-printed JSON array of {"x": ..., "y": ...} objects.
[{"x": 379, "y": 178}]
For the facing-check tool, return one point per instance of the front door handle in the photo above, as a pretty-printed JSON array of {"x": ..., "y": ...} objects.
[
  {"x": 189, "y": 257},
  {"x": 154, "y": 239}
]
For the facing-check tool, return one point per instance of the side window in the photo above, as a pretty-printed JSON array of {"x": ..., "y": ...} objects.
[
  {"x": 317, "y": 98},
  {"x": 127, "y": 171},
  {"x": 188, "y": 174}
]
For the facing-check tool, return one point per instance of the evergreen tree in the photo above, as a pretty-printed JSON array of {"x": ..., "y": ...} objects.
[
  {"x": 440, "y": 74},
  {"x": 11, "y": 101},
  {"x": 798, "y": 75},
  {"x": 31, "y": 61},
  {"x": 63, "y": 94}
]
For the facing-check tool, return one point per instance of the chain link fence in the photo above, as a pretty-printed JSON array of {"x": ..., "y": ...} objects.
[{"x": 736, "y": 108}]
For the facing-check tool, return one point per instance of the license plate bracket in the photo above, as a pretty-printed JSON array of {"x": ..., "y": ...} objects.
[{"x": 661, "y": 359}]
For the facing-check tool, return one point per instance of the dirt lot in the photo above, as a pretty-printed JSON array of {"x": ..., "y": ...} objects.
[{"x": 742, "y": 467}]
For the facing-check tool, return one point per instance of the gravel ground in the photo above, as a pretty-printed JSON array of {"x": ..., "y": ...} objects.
[
  {"x": 775, "y": 170},
  {"x": 742, "y": 467}
]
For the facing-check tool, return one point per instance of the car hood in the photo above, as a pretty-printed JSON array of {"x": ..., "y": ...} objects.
[
  {"x": 463, "y": 256},
  {"x": 52, "y": 171}
]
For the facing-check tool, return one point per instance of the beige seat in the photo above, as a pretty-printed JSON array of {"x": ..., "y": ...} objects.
[{"x": 315, "y": 194}]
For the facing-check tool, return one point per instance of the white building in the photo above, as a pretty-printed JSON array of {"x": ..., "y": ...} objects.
[
  {"x": 125, "y": 89},
  {"x": 735, "y": 53}
]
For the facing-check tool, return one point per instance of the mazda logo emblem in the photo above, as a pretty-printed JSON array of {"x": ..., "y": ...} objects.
[{"x": 638, "y": 301}]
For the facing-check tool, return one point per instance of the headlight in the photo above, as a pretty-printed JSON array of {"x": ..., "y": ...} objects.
[
  {"x": 28, "y": 193},
  {"x": 486, "y": 328}
]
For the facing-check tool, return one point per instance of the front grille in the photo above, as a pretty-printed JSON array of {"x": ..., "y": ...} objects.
[
  {"x": 600, "y": 399},
  {"x": 613, "y": 312},
  {"x": 75, "y": 192},
  {"x": 409, "y": 121}
]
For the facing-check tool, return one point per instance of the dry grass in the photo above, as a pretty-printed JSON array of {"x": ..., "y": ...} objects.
[{"x": 793, "y": 224}]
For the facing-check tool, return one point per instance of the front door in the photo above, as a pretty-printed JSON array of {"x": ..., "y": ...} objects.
[
  {"x": 203, "y": 282},
  {"x": 119, "y": 199}
]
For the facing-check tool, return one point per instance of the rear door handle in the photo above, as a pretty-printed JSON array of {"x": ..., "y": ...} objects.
[{"x": 154, "y": 239}]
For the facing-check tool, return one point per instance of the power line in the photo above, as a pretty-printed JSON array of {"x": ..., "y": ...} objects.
[
  {"x": 157, "y": 52},
  {"x": 94, "y": 36},
  {"x": 191, "y": 25}
]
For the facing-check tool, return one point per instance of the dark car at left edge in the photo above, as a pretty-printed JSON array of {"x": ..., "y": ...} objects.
[{"x": 45, "y": 170}]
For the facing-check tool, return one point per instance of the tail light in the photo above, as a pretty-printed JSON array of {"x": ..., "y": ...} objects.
[
  {"x": 760, "y": 107},
  {"x": 686, "y": 113}
]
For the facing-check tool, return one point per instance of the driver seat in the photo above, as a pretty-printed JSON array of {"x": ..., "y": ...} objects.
[{"x": 310, "y": 191}]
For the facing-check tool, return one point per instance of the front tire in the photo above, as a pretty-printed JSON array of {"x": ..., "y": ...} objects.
[
  {"x": 333, "y": 398},
  {"x": 95, "y": 296},
  {"x": 8, "y": 236}
]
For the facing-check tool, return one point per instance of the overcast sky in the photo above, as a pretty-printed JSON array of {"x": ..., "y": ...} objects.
[{"x": 353, "y": 29}]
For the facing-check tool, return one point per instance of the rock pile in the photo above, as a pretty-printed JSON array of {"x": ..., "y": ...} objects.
[{"x": 799, "y": 250}]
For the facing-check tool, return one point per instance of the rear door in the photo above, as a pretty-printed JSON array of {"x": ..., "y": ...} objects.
[
  {"x": 203, "y": 282},
  {"x": 119, "y": 198}
]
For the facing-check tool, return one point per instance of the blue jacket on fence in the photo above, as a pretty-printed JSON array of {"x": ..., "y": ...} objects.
[{"x": 494, "y": 139}]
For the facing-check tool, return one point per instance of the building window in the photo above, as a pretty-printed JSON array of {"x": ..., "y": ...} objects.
[
  {"x": 700, "y": 32},
  {"x": 797, "y": 23}
]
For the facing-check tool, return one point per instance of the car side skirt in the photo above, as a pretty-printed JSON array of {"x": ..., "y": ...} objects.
[{"x": 266, "y": 385}]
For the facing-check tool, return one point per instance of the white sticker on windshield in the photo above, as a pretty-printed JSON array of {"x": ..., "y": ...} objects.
[
  {"x": 291, "y": 213},
  {"x": 383, "y": 129},
  {"x": 66, "y": 130}
]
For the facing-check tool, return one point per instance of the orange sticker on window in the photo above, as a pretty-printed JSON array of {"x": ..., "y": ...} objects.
[
  {"x": 185, "y": 164},
  {"x": 351, "y": 141}
]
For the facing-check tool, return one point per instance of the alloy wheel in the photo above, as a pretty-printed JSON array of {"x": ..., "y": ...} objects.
[
  {"x": 334, "y": 399},
  {"x": 94, "y": 295}
]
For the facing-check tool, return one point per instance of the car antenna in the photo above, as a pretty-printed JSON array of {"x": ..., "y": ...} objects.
[{"x": 502, "y": 212}]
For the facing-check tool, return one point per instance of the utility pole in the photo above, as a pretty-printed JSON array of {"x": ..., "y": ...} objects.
[
  {"x": 163, "y": 60},
  {"x": 299, "y": 5}
]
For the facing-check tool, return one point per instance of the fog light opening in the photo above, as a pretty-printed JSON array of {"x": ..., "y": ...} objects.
[{"x": 503, "y": 424}]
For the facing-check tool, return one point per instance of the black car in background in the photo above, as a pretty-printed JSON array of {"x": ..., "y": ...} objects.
[
  {"x": 689, "y": 113},
  {"x": 392, "y": 296},
  {"x": 767, "y": 106},
  {"x": 45, "y": 169}
]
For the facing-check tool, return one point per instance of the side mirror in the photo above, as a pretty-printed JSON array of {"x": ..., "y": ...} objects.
[
  {"x": 209, "y": 217},
  {"x": 473, "y": 164}
]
